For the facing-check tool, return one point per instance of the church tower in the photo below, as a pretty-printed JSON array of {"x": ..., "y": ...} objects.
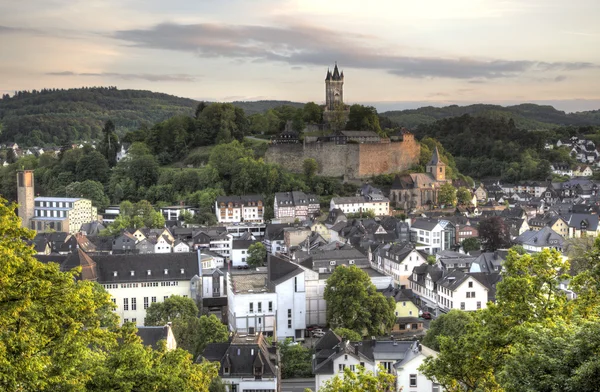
[
  {"x": 334, "y": 88},
  {"x": 25, "y": 196},
  {"x": 436, "y": 167}
]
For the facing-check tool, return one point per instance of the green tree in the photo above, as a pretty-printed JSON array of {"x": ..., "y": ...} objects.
[
  {"x": 338, "y": 117},
  {"x": 109, "y": 145},
  {"x": 310, "y": 168},
  {"x": 431, "y": 260},
  {"x": 354, "y": 303},
  {"x": 89, "y": 189},
  {"x": 296, "y": 360},
  {"x": 363, "y": 118},
  {"x": 361, "y": 381},
  {"x": 172, "y": 308},
  {"x": 447, "y": 195},
  {"x": 471, "y": 244},
  {"x": 194, "y": 333},
  {"x": 312, "y": 113},
  {"x": 348, "y": 334},
  {"x": 463, "y": 196},
  {"x": 259, "y": 124},
  {"x": 49, "y": 320},
  {"x": 494, "y": 233},
  {"x": 257, "y": 253},
  {"x": 92, "y": 166},
  {"x": 452, "y": 325}
]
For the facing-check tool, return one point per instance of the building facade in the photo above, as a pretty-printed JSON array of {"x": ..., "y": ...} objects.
[{"x": 238, "y": 209}]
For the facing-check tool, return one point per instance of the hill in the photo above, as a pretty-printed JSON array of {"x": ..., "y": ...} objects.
[
  {"x": 527, "y": 115},
  {"x": 253, "y": 107}
]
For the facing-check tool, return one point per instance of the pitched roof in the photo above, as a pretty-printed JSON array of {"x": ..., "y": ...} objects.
[
  {"x": 152, "y": 335},
  {"x": 435, "y": 158}
]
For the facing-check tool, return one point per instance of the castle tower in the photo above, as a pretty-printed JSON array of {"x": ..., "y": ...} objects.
[
  {"x": 436, "y": 167},
  {"x": 334, "y": 88},
  {"x": 25, "y": 196}
]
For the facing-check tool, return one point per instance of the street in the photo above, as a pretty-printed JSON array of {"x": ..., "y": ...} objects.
[{"x": 297, "y": 384}]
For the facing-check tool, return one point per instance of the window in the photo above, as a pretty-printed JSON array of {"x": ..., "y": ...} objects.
[
  {"x": 289, "y": 323},
  {"x": 295, "y": 284},
  {"x": 153, "y": 299},
  {"x": 114, "y": 300},
  {"x": 134, "y": 320},
  {"x": 145, "y": 302},
  {"x": 289, "y": 313},
  {"x": 353, "y": 368},
  {"x": 435, "y": 387},
  {"x": 478, "y": 304},
  {"x": 125, "y": 320},
  {"x": 132, "y": 273},
  {"x": 403, "y": 303},
  {"x": 125, "y": 303},
  {"x": 165, "y": 297},
  {"x": 166, "y": 271},
  {"x": 133, "y": 304},
  {"x": 251, "y": 307},
  {"x": 413, "y": 380},
  {"x": 270, "y": 306},
  {"x": 332, "y": 262},
  {"x": 259, "y": 307},
  {"x": 462, "y": 306},
  {"x": 345, "y": 357},
  {"x": 341, "y": 367},
  {"x": 149, "y": 272}
]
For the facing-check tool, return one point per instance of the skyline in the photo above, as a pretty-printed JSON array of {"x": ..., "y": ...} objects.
[{"x": 395, "y": 55}]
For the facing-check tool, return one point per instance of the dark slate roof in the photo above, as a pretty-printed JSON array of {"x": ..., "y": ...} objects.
[
  {"x": 545, "y": 237},
  {"x": 242, "y": 244},
  {"x": 241, "y": 356},
  {"x": 425, "y": 224},
  {"x": 274, "y": 231},
  {"x": 141, "y": 263},
  {"x": 435, "y": 158},
  {"x": 295, "y": 198},
  {"x": 152, "y": 335},
  {"x": 576, "y": 221},
  {"x": 280, "y": 270}
]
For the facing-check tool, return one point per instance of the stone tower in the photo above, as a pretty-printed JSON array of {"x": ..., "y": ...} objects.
[
  {"x": 334, "y": 88},
  {"x": 25, "y": 196},
  {"x": 436, "y": 167}
]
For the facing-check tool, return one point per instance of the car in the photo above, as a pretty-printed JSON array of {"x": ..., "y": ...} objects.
[
  {"x": 246, "y": 266},
  {"x": 319, "y": 334},
  {"x": 426, "y": 315}
]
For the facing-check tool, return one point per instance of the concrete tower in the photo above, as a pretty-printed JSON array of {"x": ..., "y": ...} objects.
[
  {"x": 25, "y": 196},
  {"x": 436, "y": 167},
  {"x": 334, "y": 88}
]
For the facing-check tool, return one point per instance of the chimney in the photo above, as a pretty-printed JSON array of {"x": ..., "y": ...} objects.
[{"x": 373, "y": 341}]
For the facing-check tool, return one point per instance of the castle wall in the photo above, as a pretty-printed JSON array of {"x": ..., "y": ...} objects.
[{"x": 351, "y": 160}]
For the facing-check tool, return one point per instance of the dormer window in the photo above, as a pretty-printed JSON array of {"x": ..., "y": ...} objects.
[
  {"x": 132, "y": 273},
  {"x": 114, "y": 273},
  {"x": 332, "y": 262},
  {"x": 225, "y": 370},
  {"x": 166, "y": 271},
  {"x": 182, "y": 271},
  {"x": 149, "y": 272}
]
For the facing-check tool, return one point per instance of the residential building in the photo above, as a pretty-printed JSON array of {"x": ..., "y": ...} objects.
[
  {"x": 239, "y": 252},
  {"x": 238, "y": 209},
  {"x": 152, "y": 335},
  {"x": 247, "y": 363},
  {"x": 582, "y": 225},
  {"x": 289, "y": 206},
  {"x": 398, "y": 261},
  {"x": 272, "y": 301},
  {"x": 429, "y": 235},
  {"x": 181, "y": 247},
  {"x": 538, "y": 240},
  {"x": 221, "y": 244},
  {"x": 361, "y": 204},
  {"x": 174, "y": 213},
  {"x": 126, "y": 243}
]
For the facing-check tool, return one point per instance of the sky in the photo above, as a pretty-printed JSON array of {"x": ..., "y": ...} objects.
[{"x": 395, "y": 54}]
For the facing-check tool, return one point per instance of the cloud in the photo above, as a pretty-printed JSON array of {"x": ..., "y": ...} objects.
[
  {"x": 128, "y": 76},
  {"x": 308, "y": 45},
  {"x": 16, "y": 30},
  {"x": 560, "y": 78}
]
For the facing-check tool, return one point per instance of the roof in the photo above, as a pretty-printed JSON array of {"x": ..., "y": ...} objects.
[
  {"x": 545, "y": 237},
  {"x": 140, "y": 264},
  {"x": 357, "y": 199},
  {"x": 295, "y": 198},
  {"x": 425, "y": 224},
  {"x": 63, "y": 199},
  {"x": 242, "y": 244},
  {"x": 152, "y": 335},
  {"x": 435, "y": 158},
  {"x": 360, "y": 134},
  {"x": 280, "y": 270},
  {"x": 578, "y": 220}
]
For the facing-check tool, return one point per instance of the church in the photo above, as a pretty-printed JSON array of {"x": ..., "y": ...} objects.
[{"x": 418, "y": 190}]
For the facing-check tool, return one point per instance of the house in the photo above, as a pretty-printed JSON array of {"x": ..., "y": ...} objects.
[
  {"x": 405, "y": 301},
  {"x": 459, "y": 290},
  {"x": 247, "y": 363},
  {"x": 174, "y": 213},
  {"x": 124, "y": 243},
  {"x": 429, "y": 235},
  {"x": 538, "y": 240},
  {"x": 450, "y": 260},
  {"x": 401, "y": 358},
  {"x": 360, "y": 204},
  {"x": 582, "y": 225},
  {"x": 271, "y": 301},
  {"x": 555, "y": 222},
  {"x": 110, "y": 214},
  {"x": 239, "y": 252},
  {"x": 274, "y": 238},
  {"x": 423, "y": 283},
  {"x": 289, "y": 206},
  {"x": 582, "y": 171},
  {"x": 488, "y": 262},
  {"x": 466, "y": 231},
  {"x": 61, "y": 213},
  {"x": 145, "y": 246},
  {"x": 151, "y": 336},
  {"x": 181, "y": 247},
  {"x": 221, "y": 244},
  {"x": 163, "y": 245},
  {"x": 398, "y": 261},
  {"x": 481, "y": 193},
  {"x": 122, "y": 153},
  {"x": 561, "y": 169},
  {"x": 238, "y": 209}
]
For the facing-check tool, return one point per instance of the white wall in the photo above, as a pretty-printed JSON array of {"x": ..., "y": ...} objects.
[
  {"x": 240, "y": 318},
  {"x": 182, "y": 288},
  {"x": 239, "y": 257},
  {"x": 291, "y": 295},
  {"x": 411, "y": 367},
  {"x": 245, "y": 383},
  {"x": 345, "y": 359}
]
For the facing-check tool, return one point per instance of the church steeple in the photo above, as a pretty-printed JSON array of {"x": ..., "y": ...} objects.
[
  {"x": 328, "y": 77},
  {"x": 436, "y": 167},
  {"x": 334, "y": 88}
]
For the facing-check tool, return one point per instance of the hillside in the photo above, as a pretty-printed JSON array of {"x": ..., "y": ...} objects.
[
  {"x": 528, "y": 116},
  {"x": 253, "y": 107}
]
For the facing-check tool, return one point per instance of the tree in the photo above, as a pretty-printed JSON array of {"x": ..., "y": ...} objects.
[
  {"x": 471, "y": 244},
  {"x": 310, "y": 168},
  {"x": 296, "y": 360},
  {"x": 92, "y": 166},
  {"x": 49, "y": 320},
  {"x": 131, "y": 366},
  {"x": 143, "y": 170},
  {"x": 363, "y": 118},
  {"x": 338, "y": 117},
  {"x": 348, "y": 334},
  {"x": 89, "y": 189},
  {"x": 109, "y": 145},
  {"x": 257, "y": 253},
  {"x": 463, "y": 196},
  {"x": 447, "y": 195},
  {"x": 312, "y": 113},
  {"x": 431, "y": 260},
  {"x": 494, "y": 233},
  {"x": 172, "y": 308},
  {"x": 354, "y": 303},
  {"x": 452, "y": 325},
  {"x": 361, "y": 381},
  {"x": 194, "y": 333}
]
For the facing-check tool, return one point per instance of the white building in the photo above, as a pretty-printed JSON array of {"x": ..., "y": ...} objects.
[
  {"x": 181, "y": 247},
  {"x": 237, "y": 209},
  {"x": 173, "y": 213},
  {"x": 271, "y": 301},
  {"x": 358, "y": 204},
  {"x": 163, "y": 245},
  {"x": 136, "y": 281},
  {"x": 428, "y": 233},
  {"x": 221, "y": 244},
  {"x": 239, "y": 252},
  {"x": 398, "y": 261}
]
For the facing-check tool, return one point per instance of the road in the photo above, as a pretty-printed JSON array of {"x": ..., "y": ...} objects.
[{"x": 297, "y": 384}]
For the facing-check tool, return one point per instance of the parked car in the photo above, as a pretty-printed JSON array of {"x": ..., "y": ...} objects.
[
  {"x": 426, "y": 315},
  {"x": 318, "y": 334}
]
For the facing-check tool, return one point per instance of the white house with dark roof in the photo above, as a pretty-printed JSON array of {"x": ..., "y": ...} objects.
[
  {"x": 458, "y": 290},
  {"x": 272, "y": 301},
  {"x": 289, "y": 206},
  {"x": 582, "y": 225},
  {"x": 358, "y": 204},
  {"x": 239, "y": 252},
  {"x": 536, "y": 241},
  {"x": 398, "y": 261},
  {"x": 428, "y": 234}
]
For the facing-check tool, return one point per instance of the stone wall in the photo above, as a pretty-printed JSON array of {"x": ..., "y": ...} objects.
[{"x": 350, "y": 160}]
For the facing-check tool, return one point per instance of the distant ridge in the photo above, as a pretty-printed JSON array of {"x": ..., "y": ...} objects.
[{"x": 527, "y": 115}]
